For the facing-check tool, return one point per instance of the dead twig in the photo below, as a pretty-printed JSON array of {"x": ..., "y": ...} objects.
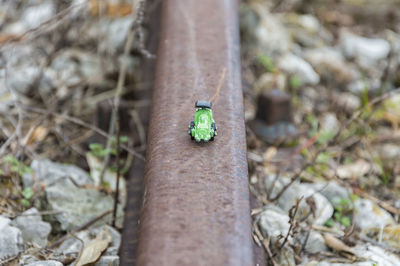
[
  {"x": 116, "y": 196},
  {"x": 82, "y": 123},
  {"x": 357, "y": 114},
  {"x": 214, "y": 98},
  {"x": 117, "y": 97},
  {"x": 81, "y": 249},
  {"x": 292, "y": 180},
  {"x": 293, "y": 223},
  {"x": 51, "y": 24},
  {"x": 265, "y": 243}
]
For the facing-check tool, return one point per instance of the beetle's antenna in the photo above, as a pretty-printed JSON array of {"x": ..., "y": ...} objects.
[{"x": 221, "y": 81}]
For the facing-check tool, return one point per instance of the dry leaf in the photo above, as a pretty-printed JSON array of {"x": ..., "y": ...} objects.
[
  {"x": 92, "y": 252},
  {"x": 336, "y": 244},
  {"x": 354, "y": 170},
  {"x": 112, "y": 10},
  {"x": 119, "y": 10},
  {"x": 38, "y": 134}
]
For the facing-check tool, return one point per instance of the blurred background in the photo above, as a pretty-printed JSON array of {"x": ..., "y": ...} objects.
[{"x": 321, "y": 83}]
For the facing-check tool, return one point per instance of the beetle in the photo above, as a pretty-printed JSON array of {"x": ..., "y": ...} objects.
[{"x": 203, "y": 127}]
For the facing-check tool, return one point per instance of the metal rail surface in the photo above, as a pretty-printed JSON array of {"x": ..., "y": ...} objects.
[
  {"x": 196, "y": 207},
  {"x": 130, "y": 232}
]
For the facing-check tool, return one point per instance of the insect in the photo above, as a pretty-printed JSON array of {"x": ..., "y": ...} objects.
[{"x": 203, "y": 127}]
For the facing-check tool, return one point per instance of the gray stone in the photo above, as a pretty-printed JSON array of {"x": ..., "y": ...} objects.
[
  {"x": 298, "y": 67},
  {"x": 73, "y": 65},
  {"x": 73, "y": 245},
  {"x": 26, "y": 259},
  {"x": 113, "y": 248},
  {"x": 323, "y": 209},
  {"x": 23, "y": 77},
  {"x": 108, "y": 261},
  {"x": 11, "y": 242},
  {"x": 78, "y": 205},
  {"x": 369, "y": 215},
  {"x": 277, "y": 185},
  {"x": 49, "y": 173},
  {"x": 333, "y": 191},
  {"x": 45, "y": 263},
  {"x": 33, "y": 229},
  {"x": 315, "y": 242},
  {"x": 285, "y": 257}
]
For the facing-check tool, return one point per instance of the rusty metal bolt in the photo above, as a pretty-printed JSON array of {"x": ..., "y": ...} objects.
[{"x": 274, "y": 106}]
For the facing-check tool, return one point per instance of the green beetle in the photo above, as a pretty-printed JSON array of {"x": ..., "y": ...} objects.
[{"x": 203, "y": 127}]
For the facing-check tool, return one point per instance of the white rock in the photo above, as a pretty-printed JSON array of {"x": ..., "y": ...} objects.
[
  {"x": 285, "y": 257},
  {"x": 376, "y": 255},
  {"x": 297, "y": 66},
  {"x": 330, "y": 123},
  {"x": 15, "y": 28},
  {"x": 353, "y": 170},
  {"x": 274, "y": 222},
  {"x": 4, "y": 222},
  {"x": 33, "y": 229},
  {"x": 109, "y": 177},
  {"x": 11, "y": 242},
  {"x": 271, "y": 34},
  {"x": 358, "y": 87},
  {"x": 309, "y": 22},
  {"x": 324, "y": 209},
  {"x": 36, "y": 15},
  {"x": 347, "y": 101},
  {"x": 45, "y": 263},
  {"x": 48, "y": 173},
  {"x": 388, "y": 151},
  {"x": 26, "y": 259},
  {"x": 331, "y": 65},
  {"x": 368, "y": 215},
  {"x": 73, "y": 65},
  {"x": 112, "y": 33},
  {"x": 365, "y": 50}
]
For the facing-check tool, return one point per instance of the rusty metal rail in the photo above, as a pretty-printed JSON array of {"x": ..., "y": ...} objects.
[{"x": 196, "y": 200}]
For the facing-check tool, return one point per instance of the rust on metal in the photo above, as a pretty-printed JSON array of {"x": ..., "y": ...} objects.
[{"x": 196, "y": 207}]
